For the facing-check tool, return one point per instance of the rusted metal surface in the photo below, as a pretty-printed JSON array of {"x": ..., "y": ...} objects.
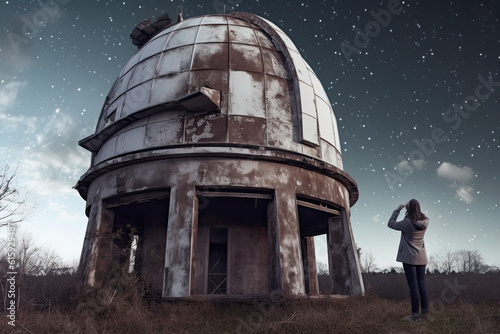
[
  {"x": 182, "y": 175},
  {"x": 251, "y": 62},
  {"x": 211, "y": 105},
  {"x": 237, "y": 152},
  {"x": 247, "y": 130}
]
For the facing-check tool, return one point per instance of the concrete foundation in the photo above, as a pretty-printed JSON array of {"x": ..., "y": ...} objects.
[{"x": 268, "y": 211}]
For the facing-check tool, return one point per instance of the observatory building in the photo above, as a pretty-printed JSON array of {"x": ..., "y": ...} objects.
[{"x": 215, "y": 162}]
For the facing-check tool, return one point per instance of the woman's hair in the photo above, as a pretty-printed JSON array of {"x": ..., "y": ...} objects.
[{"x": 413, "y": 210}]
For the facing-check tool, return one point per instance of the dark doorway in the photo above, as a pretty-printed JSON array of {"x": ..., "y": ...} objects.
[
  {"x": 232, "y": 248},
  {"x": 128, "y": 230},
  {"x": 139, "y": 237},
  {"x": 314, "y": 220}
]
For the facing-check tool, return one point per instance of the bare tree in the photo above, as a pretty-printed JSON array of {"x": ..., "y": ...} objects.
[
  {"x": 368, "y": 263},
  {"x": 449, "y": 261},
  {"x": 32, "y": 264},
  {"x": 433, "y": 264},
  {"x": 470, "y": 261},
  {"x": 12, "y": 202},
  {"x": 493, "y": 269},
  {"x": 322, "y": 268},
  {"x": 34, "y": 260}
]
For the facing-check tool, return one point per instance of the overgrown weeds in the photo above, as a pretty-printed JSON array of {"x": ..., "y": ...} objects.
[
  {"x": 120, "y": 307},
  {"x": 122, "y": 314}
]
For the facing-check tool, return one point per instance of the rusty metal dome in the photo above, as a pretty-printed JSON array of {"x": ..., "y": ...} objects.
[
  {"x": 246, "y": 59},
  {"x": 233, "y": 79}
]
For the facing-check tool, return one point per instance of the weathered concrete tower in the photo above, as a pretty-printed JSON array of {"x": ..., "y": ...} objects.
[{"x": 216, "y": 160}]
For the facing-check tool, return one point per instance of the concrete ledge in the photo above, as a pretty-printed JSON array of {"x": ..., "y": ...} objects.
[{"x": 219, "y": 151}]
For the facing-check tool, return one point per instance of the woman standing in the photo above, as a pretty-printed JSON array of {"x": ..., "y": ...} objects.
[{"x": 412, "y": 254}]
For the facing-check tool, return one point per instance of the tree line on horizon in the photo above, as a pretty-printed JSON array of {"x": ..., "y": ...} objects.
[{"x": 447, "y": 261}]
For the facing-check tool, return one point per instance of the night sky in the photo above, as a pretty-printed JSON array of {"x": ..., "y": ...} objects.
[{"x": 416, "y": 95}]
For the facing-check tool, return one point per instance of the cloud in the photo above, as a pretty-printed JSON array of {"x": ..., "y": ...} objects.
[
  {"x": 9, "y": 92},
  {"x": 419, "y": 164},
  {"x": 13, "y": 60},
  {"x": 454, "y": 173},
  {"x": 53, "y": 165},
  {"x": 11, "y": 123},
  {"x": 407, "y": 167},
  {"x": 404, "y": 167},
  {"x": 465, "y": 193}
]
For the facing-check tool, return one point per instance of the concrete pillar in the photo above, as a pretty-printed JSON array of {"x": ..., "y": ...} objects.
[
  {"x": 342, "y": 258},
  {"x": 292, "y": 273},
  {"x": 84, "y": 267},
  {"x": 194, "y": 251},
  {"x": 102, "y": 249},
  {"x": 312, "y": 272},
  {"x": 337, "y": 257},
  {"x": 356, "y": 279},
  {"x": 274, "y": 269},
  {"x": 178, "y": 247}
]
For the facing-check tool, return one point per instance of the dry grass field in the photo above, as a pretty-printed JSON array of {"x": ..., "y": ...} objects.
[
  {"x": 356, "y": 315},
  {"x": 459, "y": 304}
]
